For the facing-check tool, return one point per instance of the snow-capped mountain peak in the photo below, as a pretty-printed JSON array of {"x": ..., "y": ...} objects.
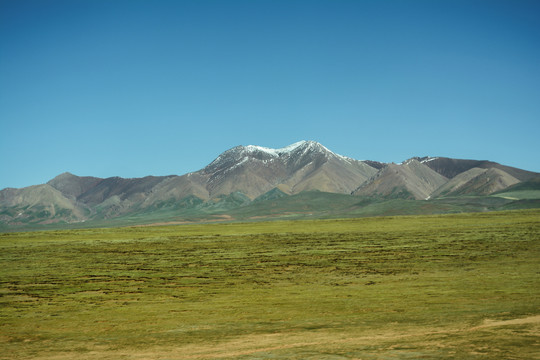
[
  {"x": 277, "y": 152},
  {"x": 301, "y": 152},
  {"x": 300, "y": 166},
  {"x": 292, "y": 147}
]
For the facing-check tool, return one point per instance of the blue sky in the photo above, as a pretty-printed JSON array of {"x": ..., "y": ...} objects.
[{"x": 134, "y": 88}]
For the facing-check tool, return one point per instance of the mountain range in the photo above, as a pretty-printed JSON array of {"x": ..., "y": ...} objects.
[{"x": 250, "y": 182}]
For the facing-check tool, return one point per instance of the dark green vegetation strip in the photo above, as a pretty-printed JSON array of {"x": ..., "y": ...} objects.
[{"x": 390, "y": 287}]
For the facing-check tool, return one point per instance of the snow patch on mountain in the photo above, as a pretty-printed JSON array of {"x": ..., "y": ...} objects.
[
  {"x": 422, "y": 160},
  {"x": 289, "y": 149},
  {"x": 292, "y": 147},
  {"x": 429, "y": 159},
  {"x": 275, "y": 152}
]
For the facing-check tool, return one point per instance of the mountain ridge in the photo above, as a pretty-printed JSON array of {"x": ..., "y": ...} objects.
[{"x": 246, "y": 174}]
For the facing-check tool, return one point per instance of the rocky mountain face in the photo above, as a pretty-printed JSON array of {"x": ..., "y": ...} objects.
[{"x": 246, "y": 174}]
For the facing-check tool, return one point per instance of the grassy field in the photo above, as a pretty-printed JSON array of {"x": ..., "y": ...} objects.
[{"x": 464, "y": 286}]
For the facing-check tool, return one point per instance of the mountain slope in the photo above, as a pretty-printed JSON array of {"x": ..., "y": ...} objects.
[
  {"x": 126, "y": 189},
  {"x": 176, "y": 188},
  {"x": 488, "y": 182},
  {"x": 458, "y": 181},
  {"x": 38, "y": 203},
  {"x": 477, "y": 181},
  {"x": 410, "y": 180},
  {"x": 73, "y": 186},
  {"x": 451, "y": 167}
]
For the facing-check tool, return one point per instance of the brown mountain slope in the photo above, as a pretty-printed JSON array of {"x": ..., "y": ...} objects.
[
  {"x": 457, "y": 182},
  {"x": 72, "y": 186},
  {"x": 38, "y": 203},
  {"x": 132, "y": 189},
  {"x": 177, "y": 188},
  {"x": 488, "y": 182},
  {"x": 451, "y": 167},
  {"x": 333, "y": 176},
  {"x": 411, "y": 179},
  {"x": 250, "y": 171}
]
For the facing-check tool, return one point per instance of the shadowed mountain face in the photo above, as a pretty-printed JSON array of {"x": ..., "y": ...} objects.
[
  {"x": 452, "y": 167},
  {"x": 255, "y": 174},
  {"x": 73, "y": 186},
  {"x": 124, "y": 189}
]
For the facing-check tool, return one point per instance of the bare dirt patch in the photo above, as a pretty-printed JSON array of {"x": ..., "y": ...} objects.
[{"x": 522, "y": 321}]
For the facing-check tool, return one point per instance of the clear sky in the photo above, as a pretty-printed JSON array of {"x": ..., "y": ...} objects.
[{"x": 132, "y": 88}]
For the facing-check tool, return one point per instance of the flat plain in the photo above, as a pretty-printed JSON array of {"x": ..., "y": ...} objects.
[{"x": 461, "y": 286}]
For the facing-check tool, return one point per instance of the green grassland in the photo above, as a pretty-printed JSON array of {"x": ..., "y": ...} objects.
[
  {"x": 520, "y": 194},
  {"x": 460, "y": 286}
]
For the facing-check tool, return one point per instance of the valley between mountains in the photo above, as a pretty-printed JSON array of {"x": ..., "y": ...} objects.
[{"x": 302, "y": 180}]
